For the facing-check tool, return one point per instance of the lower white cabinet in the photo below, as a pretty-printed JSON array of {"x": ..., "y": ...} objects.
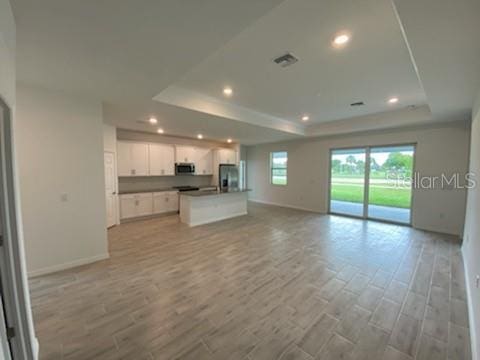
[
  {"x": 135, "y": 205},
  {"x": 165, "y": 201}
]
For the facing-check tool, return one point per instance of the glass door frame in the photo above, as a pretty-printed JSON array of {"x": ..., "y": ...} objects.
[{"x": 366, "y": 184}]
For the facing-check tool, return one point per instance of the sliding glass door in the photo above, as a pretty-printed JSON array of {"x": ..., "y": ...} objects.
[
  {"x": 372, "y": 182},
  {"x": 390, "y": 183},
  {"x": 347, "y": 181}
]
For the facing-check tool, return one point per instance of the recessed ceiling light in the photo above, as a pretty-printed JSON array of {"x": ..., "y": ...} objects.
[
  {"x": 341, "y": 39},
  {"x": 393, "y": 100},
  {"x": 152, "y": 120},
  {"x": 200, "y": 136},
  {"x": 305, "y": 118},
  {"x": 228, "y": 91},
  {"x": 160, "y": 131},
  {"x": 229, "y": 140}
]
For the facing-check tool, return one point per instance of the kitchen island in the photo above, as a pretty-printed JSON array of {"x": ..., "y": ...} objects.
[{"x": 203, "y": 207}]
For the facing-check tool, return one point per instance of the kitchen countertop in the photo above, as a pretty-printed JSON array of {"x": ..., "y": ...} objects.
[
  {"x": 158, "y": 190},
  {"x": 200, "y": 193}
]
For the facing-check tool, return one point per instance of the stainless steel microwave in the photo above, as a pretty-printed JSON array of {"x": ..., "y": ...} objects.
[{"x": 184, "y": 169}]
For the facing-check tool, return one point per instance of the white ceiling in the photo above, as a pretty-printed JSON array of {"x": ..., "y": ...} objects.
[
  {"x": 375, "y": 66},
  {"x": 171, "y": 58},
  {"x": 123, "y": 50},
  {"x": 188, "y": 123},
  {"x": 444, "y": 39}
]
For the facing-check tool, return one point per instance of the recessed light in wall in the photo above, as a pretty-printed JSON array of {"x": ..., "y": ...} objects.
[
  {"x": 393, "y": 100},
  {"x": 229, "y": 141},
  {"x": 340, "y": 39},
  {"x": 160, "y": 131},
  {"x": 152, "y": 120},
  {"x": 305, "y": 118},
  {"x": 200, "y": 136},
  {"x": 227, "y": 91}
]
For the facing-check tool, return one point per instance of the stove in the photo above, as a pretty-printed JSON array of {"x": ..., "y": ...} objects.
[{"x": 186, "y": 188}]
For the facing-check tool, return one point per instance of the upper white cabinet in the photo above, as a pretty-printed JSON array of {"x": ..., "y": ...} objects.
[
  {"x": 184, "y": 154},
  {"x": 154, "y": 159},
  {"x": 203, "y": 161},
  {"x": 162, "y": 159},
  {"x": 132, "y": 159},
  {"x": 226, "y": 156}
]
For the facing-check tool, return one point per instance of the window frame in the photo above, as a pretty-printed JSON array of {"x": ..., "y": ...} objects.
[{"x": 272, "y": 168}]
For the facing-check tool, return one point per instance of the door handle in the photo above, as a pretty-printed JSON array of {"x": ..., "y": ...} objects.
[{"x": 114, "y": 193}]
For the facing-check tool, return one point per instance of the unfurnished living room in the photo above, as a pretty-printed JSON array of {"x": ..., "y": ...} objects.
[{"x": 239, "y": 180}]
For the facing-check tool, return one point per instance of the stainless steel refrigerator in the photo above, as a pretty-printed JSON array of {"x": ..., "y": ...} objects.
[{"x": 228, "y": 176}]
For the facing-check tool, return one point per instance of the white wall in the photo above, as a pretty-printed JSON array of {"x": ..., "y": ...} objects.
[
  {"x": 441, "y": 149},
  {"x": 471, "y": 244},
  {"x": 109, "y": 138},
  {"x": 8, "y": 94},
  {"x": 123, "y": 134},
  {"x": 60, "y": 148}
]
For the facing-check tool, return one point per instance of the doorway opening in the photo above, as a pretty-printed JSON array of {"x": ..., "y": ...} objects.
[{"x": 373, "y": 182}]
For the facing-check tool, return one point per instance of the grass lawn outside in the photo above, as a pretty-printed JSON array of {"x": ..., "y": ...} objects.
[
  {"x": 378, "y": 195},
  {"x": 381, "y": 193},
  {"x": 279, "y": 180}
]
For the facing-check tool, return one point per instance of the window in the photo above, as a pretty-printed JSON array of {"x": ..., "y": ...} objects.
[{"x": 278, "y": 166}]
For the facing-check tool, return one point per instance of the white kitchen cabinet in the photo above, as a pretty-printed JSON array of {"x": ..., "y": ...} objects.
[
  {"x": 135, "y": 205},
  {"x": 127, "y": 206},
  {"x": 132, "y": 159},
  {"x": 166, "y": 201},
  {"x": 203, "y": 161},
  {"x": 184, "y": 154},
  {"x": 161, "y": 159},
  {"x": 144, "y": 204},
  {"x": 226, "y": 156}
]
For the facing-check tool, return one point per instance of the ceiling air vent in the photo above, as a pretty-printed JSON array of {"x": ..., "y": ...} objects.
[
  {"x": 358, "y": 103},
  {"x": 285, "y": 60}
]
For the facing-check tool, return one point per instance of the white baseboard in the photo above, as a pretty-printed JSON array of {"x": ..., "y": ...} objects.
[
  {"x": 437, "y": 230},
  {"x": 218, "y": 219},
  {"x": 69, "y": 265},
  {"x": 285, "y": 206},
  {"x": 471, "y": 319},
  {"x": 36, "y": 349}
]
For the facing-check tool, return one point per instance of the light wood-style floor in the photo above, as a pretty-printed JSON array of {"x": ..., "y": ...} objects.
[{"x": 276, "y": 284}]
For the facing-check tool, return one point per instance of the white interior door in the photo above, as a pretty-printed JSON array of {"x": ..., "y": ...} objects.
[
  {"x": 110, "y": 188},
  {"x": 16, "y": 341},
  {"x": 5, "y": 353}
]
